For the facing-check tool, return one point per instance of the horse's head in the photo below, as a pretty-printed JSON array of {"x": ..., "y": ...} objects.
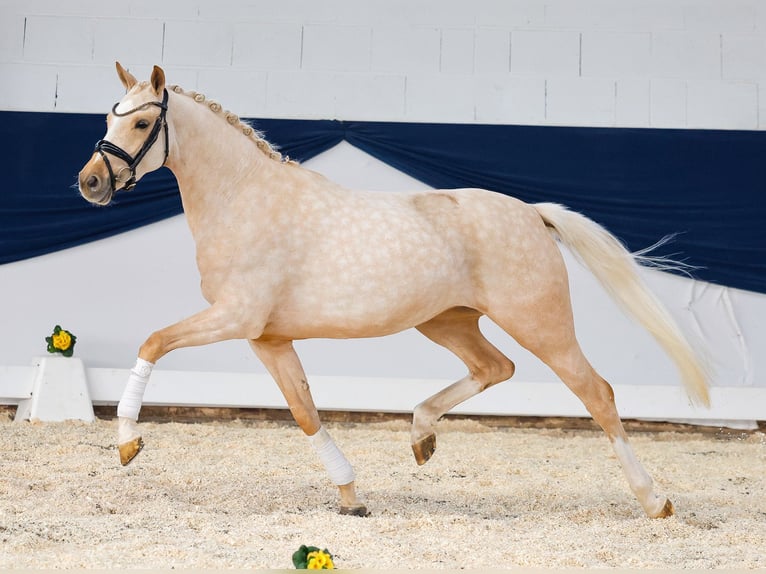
[{"x": 136, "y": 140}]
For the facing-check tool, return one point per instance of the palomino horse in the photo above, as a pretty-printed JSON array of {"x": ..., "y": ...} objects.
[{"x": 285, "y": 254}]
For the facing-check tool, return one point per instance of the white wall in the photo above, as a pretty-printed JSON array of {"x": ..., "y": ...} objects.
[
  {"x": 570, "y": 62},
  {"x": 648, "y": 63}
]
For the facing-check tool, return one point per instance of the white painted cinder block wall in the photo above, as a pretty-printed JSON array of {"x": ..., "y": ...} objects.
[
  {"x": 668, "y": 64},
  {"x": 645, "y": 63}
]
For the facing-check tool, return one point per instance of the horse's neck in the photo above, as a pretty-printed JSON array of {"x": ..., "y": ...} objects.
[{"x": 213, "y": 162}]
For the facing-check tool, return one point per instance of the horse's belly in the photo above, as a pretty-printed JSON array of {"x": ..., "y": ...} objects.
[{"x": 366, "y": 305}]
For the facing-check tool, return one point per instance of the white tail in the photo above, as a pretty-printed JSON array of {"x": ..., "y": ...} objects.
[{"x": 617, "y": 270}]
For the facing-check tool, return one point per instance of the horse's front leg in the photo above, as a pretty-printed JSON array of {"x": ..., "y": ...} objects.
[
  {"x": 280, "y": 359},
  {"x": 209, "y": 326}
]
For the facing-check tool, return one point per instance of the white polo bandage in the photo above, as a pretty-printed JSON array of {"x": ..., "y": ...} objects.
[
  {"x": 335, "y": 463},
  {"x": 133, "y": 395}
]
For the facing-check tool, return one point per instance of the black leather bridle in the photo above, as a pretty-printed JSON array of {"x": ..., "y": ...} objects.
[{"x": 104, "y": 147}]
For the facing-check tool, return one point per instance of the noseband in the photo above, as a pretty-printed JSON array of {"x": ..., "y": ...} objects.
[{"x": 104, "y": 147}]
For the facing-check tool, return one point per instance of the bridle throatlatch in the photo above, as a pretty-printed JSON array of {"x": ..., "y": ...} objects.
[{"x": 104, "y": 147}]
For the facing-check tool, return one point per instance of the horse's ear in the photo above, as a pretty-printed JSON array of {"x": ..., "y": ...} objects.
[
  {"x": 158, "y": 80},
  {"x": 128, "y": 80}
]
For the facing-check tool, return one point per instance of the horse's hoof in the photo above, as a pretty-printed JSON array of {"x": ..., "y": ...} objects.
[
  {"x": 356, "y": 510},
  {"x": 667, "y": 510},
  {"x": 424, "y": 448},
  {"x": 129, "y": 450}
]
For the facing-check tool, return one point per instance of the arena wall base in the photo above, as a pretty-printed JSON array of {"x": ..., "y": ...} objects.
[{"x": 59, "y": 392}]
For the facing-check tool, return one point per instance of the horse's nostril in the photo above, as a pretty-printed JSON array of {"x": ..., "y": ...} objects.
[{"x": 93, "y": 182}]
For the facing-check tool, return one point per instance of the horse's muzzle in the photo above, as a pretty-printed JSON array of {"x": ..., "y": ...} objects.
[{"x": 95, "y": 184}]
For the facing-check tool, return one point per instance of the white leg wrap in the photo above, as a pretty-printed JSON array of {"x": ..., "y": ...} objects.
[
  {"x": 335, "y": 463},
  {"x": 133, "y": 395}
]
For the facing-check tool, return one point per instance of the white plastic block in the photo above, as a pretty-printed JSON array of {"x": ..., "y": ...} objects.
[
  {"x": 56, "y": 39},
  {"x": 336, "y": 48},
  {"x": 507, "y": 100},
  {"x": 632, "y": 103},
  {"x": 667, "y": 103},
  {"x": 272, "y": 46},
  {"x": 457, "y": 51},
  {"x": 242, "y": 92},
  {"x": 11, "y": 35},
  {"x": 113, "y": 35},
  {"x": 198, "y": 44},
  {"x": 686, "y": 55},
  {"x": 28, "y": 87},
  {"x": 616, "y": 54},
  {"x": 492, "y": 51},
  {"x": 744, "y": 57},
  {"x": 440, "y": 98},
  {"x": 714, "y": 105},
  {"x": 580, "y": 101},
  {"x": 545, "y": 53},
  {"x": 59, "y": 392},
  {"x": 402, "y": 49}
]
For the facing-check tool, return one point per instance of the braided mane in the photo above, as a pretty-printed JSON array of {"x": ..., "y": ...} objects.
[{"x": 234, "y": 120}]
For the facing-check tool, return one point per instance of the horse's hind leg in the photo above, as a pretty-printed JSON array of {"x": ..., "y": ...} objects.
[
  {"x": 551, "y": 337},
  {"x": 280, "y": 359},
  {"x": 458, "y": 331}
]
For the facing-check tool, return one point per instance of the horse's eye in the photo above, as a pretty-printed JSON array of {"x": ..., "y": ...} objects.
[{"x": 142, "y": 124}]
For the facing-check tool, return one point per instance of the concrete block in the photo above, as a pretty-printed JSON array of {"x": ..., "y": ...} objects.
[
  {"x": 580, "y": 101},
  {"x": 507, "y": 100},
  {"x": 686, "y": 55},
  {"x": 28, "y": 87},
  {"x": 11, "y": 35},
  {"x": 176, "y": 9},
  {"x": 457, "y": 51},
  {"x": 86, "y": 8},
  {"x": 721, "y": 16},
  {"x": 630, "y": 15},
  {"x": 492, "y": 51},
  {"x": 509, "y": 14},
  {"x": 667, "y": 103},
  {"x": 271, "y": 46},
  {"x": 241, "y": 91},
  {"x": 372, "y": 97},
  {"x": 401, "y": 49},
  {"x": 198, "y": 44},
  {"x": 59, "y": 392},
  {"x": 545, "y": 53},
  {"x": 616, "y": 54},
  {"x": 336, "y": 48},
  {"x": 715, "y": 105},
  {"x": 744, "y": 57},
  {"x": 632, "y": 103},
  {"x": 300, "y": 94},
  {"x": 104, "y": 89},
  {"x": 56, "y": 39},
  {"x": 440, "y": 98},
  {"x": 114, "y": 36},
  {"x": 424, "y": 13}
]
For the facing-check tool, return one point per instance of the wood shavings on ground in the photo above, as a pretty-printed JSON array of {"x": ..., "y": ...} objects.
[{"x": 243, "y": 495}]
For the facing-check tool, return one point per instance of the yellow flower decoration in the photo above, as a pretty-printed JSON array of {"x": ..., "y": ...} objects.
[
  {"x": 312, "y": 558},
  {"x": 319, "y": 561},
  {"x": 61, "y": 341}
]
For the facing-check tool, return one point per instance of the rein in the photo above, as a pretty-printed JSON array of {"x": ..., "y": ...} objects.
[{"x": 104, "y": 147}]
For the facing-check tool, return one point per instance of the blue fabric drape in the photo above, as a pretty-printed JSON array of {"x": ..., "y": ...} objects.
[{"x": 642, "y": 184}]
